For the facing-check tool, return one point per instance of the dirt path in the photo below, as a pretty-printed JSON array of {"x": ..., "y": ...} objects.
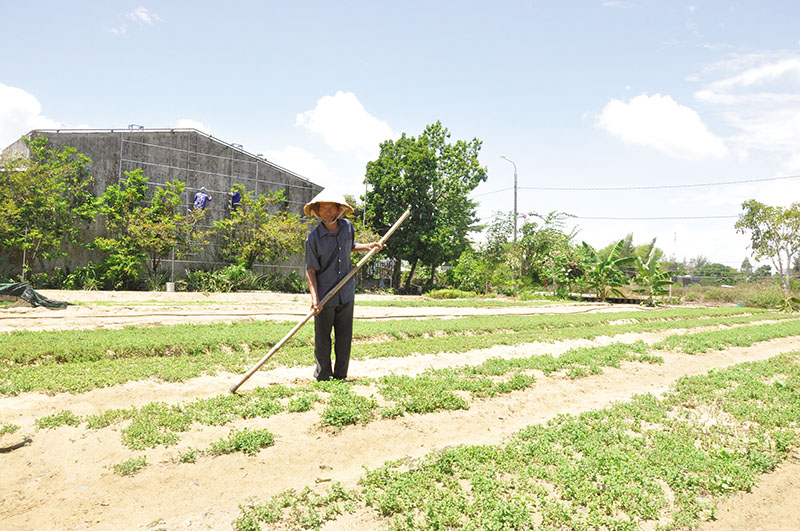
[
  {"x": 64, "y": 478},
  {"x": 93, "y": 309}
]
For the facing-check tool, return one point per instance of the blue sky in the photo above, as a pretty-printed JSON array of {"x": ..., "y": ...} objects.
[{"x": 582, "y": 94}]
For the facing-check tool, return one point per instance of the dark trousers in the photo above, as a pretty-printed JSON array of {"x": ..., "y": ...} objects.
[{"x": 340, "y": 318}]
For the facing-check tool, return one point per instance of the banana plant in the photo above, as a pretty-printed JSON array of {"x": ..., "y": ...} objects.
[
  {"x": 650, "y": 278},
  {"x": 603, "y": 274}
]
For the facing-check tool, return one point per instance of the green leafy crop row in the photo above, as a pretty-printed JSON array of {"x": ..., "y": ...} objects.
[
  {"x": 647, "y": 462},
  {"x": 48, "y": 347},
  {"x": 434, "y": 390},
  {"x": 178, "y": 353}
]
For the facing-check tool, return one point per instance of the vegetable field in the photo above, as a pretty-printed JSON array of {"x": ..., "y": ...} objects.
[{"x": 458, "y": 415}]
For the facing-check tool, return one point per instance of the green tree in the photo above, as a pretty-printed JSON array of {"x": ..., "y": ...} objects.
[
  {"x": 763, "y": 271},
  {"x": 45, "y": 201},
  {"x": 472, "y": 272},
  {"x": 433, "y": 178},
  {"x": 696, "y": 263},
  {"x": 629, "y": 250},
  {"x": 774, "y": 234},
  {"x": 546, "y": 251},
  {"x": 260, "y": 231},
  {"x": 140, "y": 235},
  {"x": 716, "y": 274},
  {"x": 673, "y": 266},
  {"x": 604, "y": 275},
  {"x": 498, "y": 259},
  {"x": 651, "y": 279}
]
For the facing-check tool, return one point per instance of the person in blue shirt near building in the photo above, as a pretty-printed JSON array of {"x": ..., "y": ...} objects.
[
  {"x": 201, "y": 198},
  {"x": 236, "y": 198},
  {"x": 328, "y": 249}
]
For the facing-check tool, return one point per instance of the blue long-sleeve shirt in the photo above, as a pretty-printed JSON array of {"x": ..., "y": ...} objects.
[{"x": 328, "y": 254}]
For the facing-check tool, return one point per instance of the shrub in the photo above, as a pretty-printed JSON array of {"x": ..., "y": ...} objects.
[
  {"x": 451, "y": 294},
  {"x": 290, "y": 283},
  {"x": 238, "y": 278},
  {"x": 722, "y": 295},
  {"x": 769, "y": 298}
]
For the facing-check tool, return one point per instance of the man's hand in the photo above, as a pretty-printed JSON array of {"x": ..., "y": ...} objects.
[
  {"x": 315, "y": 307},
  {"x": 375, "y": 245}
]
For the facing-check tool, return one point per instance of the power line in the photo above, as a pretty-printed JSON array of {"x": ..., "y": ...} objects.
[
  {"x": 626, "y": 188},
  {"x": 656, "y": 218},
  {"x": 656, "y": 187},
  {"x": 494, "y": 192}
]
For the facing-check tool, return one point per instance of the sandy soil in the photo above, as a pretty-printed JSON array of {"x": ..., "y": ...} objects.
[{"x": 64, "y": 478}]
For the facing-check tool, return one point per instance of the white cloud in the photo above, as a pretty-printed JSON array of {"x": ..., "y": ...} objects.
[
  {"x": 20, "y": 112},
  {"x": 660, "y": 122},
  {"x": 304, "y": 163},
  {"x": 140, "y": 15},
  {"x": 346, "y": 126},
  {"x": 762, "y": 74},
  {"x": 758, "y": 97},
  {"x": 144, "y": 16},
  {"x": 187, "y": 123}
]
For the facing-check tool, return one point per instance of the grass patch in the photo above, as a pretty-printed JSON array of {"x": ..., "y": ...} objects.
[
  {"x": 245, "y": 440},
  {"x": 63, "y": 418},
  {"x": 8, "y": 428},
  {"x": 302, "y": 403},
  {"x": 189, "y": 456},
  {"x": 130, "y": 466},
  {"x": 346, "y": 407},
  {"x": 471, "y": 302},
  {"x": 304, "y": 510}
]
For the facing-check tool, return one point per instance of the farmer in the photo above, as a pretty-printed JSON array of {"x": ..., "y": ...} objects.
[
  {"x": 236, "y": 198},
  {"x": 201, "y": 198},
  {"x": 328, "y": 249}
]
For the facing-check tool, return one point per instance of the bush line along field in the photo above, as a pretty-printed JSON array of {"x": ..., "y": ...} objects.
[
  {"x": 648, "y": 461},
  {"x": 81, "y": 360}
]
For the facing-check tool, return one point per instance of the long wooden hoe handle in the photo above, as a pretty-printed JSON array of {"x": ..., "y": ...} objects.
[{"x": 325, "y": 299}]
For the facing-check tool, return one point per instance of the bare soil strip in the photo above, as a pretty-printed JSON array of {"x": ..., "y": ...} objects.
[
  {"x": 177, "y": 308},
  {"x": 65, "y": 478}
]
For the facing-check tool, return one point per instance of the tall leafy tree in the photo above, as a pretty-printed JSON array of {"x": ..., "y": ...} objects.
[
  {"x": 716, "y": 274},
  {"x": 546, "y": 250},
  {"x": 45, "y": 201},
  {"x": 260, "y": 231},
  {"x": 141, "y": 234},
  {"x": 774, "y": 234},
  {"x": 604, "y": 275},
  {"x": 433, "y": 178}
]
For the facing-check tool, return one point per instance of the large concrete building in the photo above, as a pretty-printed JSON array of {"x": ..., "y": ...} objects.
[{"x": 188, "y": 155}]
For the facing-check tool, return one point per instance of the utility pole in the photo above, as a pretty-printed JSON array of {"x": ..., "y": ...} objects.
[
  {"x": 24, "y": 255},
  {"x": 515, "y": 195}
]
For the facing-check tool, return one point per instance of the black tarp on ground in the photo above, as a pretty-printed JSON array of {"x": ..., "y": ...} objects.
[{"x": 24, "y": 291}]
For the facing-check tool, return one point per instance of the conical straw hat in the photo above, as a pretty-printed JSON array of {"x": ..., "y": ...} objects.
[{"x": 327, "y": 196}]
